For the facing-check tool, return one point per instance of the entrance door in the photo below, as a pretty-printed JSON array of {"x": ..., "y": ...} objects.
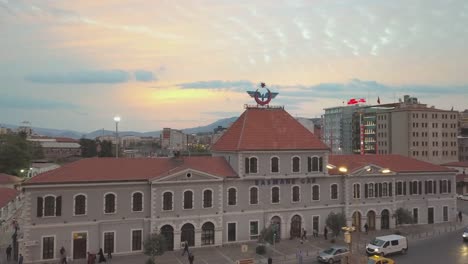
[
  {"x": 168, "y": 232},
  {"x": 79, "y": 245},
  {"x": 296, "y": 222},
  {"x": 276, "y": 225},
  {"x": 430, "y": 215},
  {"x": 385, "y": 219},
  {"x": 371, "y": 220},
  {"x": 357, "y": 221},
  {"x": 188, "y": 234}
]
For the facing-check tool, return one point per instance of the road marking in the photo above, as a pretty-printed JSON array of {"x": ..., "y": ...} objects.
[{"x": 224, "y": 256}]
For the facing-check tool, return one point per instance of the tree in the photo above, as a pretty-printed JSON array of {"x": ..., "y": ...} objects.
[
  {"x": 106, "y": 149},
  {"x": 88, "y": 148},
  {"x": 154, "y": 245},
  {"x": 403, "y": 216},
  {"x": 267, "y": 235},
  {"x": 335, "y": 222},
  {"x": 15, "y": 154}
]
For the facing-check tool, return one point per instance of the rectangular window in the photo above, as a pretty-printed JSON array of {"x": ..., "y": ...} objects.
[
  {"x": 136, "y": 239},
  {"x": 415, "y": 215},
  {"x": 356, "y": 191},
  {"x": 445, "y": 212},
  {"x": 48, "y": 245},
  {"x": 399, "y": 190},
  {"x": 231, "y": 232},
  {"x": 109, "y": 242},
  {"x": 253, "y": 230}
]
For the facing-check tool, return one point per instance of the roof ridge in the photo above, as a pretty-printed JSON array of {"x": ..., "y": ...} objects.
[{"x": 242, "y": 130}]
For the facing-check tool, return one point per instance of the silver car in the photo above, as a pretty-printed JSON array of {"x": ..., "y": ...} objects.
[{"x": 333, "y": 254}]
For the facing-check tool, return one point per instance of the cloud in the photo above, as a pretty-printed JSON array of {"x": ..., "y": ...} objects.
[
  {"x": 221, "y": 113},
  {"x": 90, "y": 76},
  {"x": 218, "y": 84},
  {"x": 144, "y": 76},
  {"x": 16, "y": 102}
]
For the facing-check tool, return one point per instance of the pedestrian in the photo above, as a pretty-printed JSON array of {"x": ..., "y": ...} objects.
[
  {"x": 63, "y": 256},
  {"x": 366, "y": 227},
  {"x": 325, "y": 233},
  {"x": 8, "y": 252},
  {"x": 304, "y": 234},
  {"x": 270, "y": 260},
  {"x": 460, "y": 216},
  {"x": 109, "y": 255},
  {"x": 299, "y": 257},
  {"x": 20, "y": 259},
  {"x": 191, "y": 258},
  {"x": 101, "y": 256},
  {"x": 186, "y": 248}
]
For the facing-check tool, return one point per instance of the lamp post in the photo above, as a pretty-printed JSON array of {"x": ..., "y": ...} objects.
[{"x": 117, "y": 120}]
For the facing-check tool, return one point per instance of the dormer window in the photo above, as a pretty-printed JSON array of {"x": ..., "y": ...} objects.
[{"x": 251, "y": 165}]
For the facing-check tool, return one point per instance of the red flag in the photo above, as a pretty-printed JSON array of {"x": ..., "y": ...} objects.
[
  {"x": 362, "y": 100},
  {"x": 378, "y": 99}
]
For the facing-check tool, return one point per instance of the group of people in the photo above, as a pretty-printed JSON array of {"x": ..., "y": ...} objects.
[
  {"x": 190, "y": 256},
  {"x": 100, "y": 257},
  {"x": 314, "y": 234},
  {"x": 8, "y": 255}
]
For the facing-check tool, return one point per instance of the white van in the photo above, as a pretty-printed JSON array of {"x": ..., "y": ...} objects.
[{"x": 387, "y": 245}]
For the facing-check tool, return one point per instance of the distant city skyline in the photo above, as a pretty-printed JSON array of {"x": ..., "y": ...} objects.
[{"x": 76, "y": 64}]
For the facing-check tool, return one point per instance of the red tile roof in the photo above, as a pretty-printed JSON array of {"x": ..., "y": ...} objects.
[
  {"x": 65, "y": 139},
  {"x": 267, "y": 129},
  {"x": 7, "y": 195},
  {"x": 130, "y": 169},
  {"x": 9, "y": 179},
  {"x": 395, "y": 163},
  {"x": 461, "y": 177},
  {"x": 463, "y": 164}
]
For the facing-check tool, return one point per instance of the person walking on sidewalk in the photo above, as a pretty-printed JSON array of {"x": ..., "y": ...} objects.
[
  {"x": 299, "y": 257},
  {"x": 191, "y": 258},
  {"x": 325, "y": 233},
  {"x": 270, "y": 260},
  {"x": 366, "y": 227},
  {"x": 20, "y": 259},
  {"x": 304, "y": 234},
  {"x": 8, "y": 253},
  {"x": 460, "y": 216},
  {"x": 186, "y": 248}
]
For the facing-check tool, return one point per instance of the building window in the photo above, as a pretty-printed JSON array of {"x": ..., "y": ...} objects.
[
  {"x": 357, "y": 191},
  {"x": 109, "y": 242},
  {"x": 275, "y": 164},
  {"x": 275, "y": 194},
  {"x": 429, "y": 187},
  {"x": 296, "y": 194},
  {"x": 315, "y": 163},
  {"x": 48, "y": 246},
  {"x": 315, "y": 192},
  {"x": 315, "y": 223},
  {"x": 445, "y": 212},
  {"x": 207, "y": 198},
  {"x": 109, "y": 203},
  {"x": 208, "y": 234},
  {"x": 415, "y": 215},
  {"x": 334, "y": 191},
  {"x": 188, "y": 200},
  {"x": 137, "y": 202},
  {"x": 49, "y": 206},
  {"x": 137, "y": 236},
  {"x": 80, "y": 204},
  {"x": 445, "y": 186},
  {"x": 399, "y": 188},
  {"x": 232, "y": 196},
  {"x": 253, "y": 195},
  {"x": 251, "y": 165},
  {"x": 231, "y": 232},
  {"x": 320, "y": 164},
  {"x": 384, "y": 189},
  {"x": 296, "y": 164},
  {"x": 370, "y": 190},
  {"x": 167, "y": 201},
  {"x": 253, "y": 230}
]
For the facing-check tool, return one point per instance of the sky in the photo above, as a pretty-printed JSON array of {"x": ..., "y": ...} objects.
[{"x": 179, "y": 64}]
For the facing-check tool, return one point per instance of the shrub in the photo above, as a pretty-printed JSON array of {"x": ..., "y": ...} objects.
[{"x": 267, "y": 235}]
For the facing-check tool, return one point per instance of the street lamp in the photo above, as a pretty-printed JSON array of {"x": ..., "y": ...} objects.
[
  {"x": 348, "y": 236},
  {"x": 117, "y": 120}
]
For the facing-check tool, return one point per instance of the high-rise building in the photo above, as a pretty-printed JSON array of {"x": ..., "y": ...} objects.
[{"x": 337, "y": 129}]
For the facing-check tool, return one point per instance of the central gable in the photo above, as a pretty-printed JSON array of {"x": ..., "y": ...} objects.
[{"x": 186, "y": 175}]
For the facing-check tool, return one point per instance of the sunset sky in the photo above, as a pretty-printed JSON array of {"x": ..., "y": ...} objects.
[{"x": 76, "y": 64}]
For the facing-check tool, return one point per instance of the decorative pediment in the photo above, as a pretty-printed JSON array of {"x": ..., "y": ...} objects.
[
  {"x": 371, "y": 170},
  {"x": 186, "y": 175}
]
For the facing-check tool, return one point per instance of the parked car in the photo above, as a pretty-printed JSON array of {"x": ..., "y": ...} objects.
[
  {"x": 379, "y": 260},
  {"x": 385, "y": 245},
  {"x": 333, "y": 254},
  {"x": 465, "y": 234}
]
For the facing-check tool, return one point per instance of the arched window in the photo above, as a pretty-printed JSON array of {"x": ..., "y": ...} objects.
[
  {"x": 334, "y": 191},
  {"x": 296, "y": 194},
  {"x": 275, "y": 194},
  {"x": 253, "y": 195},
  {"x": 315, "y": 192},
  {"x": 315, "y": 164},
  {"x": 208, "y": 234},
  {"x": 188, "y": 200},
  {"x": 49, "y": 206},
  {"x": 275, "y": 164},
  {"x": 109, "y": 203},
  {"x": 357, "y": 191},
  {"x": 251, "y": 165},
  {"x": 80, "y": 204},
  {"x": 296, "y": 164},
  {"x": 137, "y": 202},
  {"x": 232, "y": 196},
  {"x": 167, "y": 201},
  {"x": 207, "y": 198}
]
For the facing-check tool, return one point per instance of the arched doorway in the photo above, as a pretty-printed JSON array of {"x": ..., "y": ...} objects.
[
  {"x": 296, "y": 222},
  {"x": 385, "y": 219},
  {"x": 371, "y": 220},
  {"x": 357, "y": 220},
  {"x": 208, "y": 234},
  {"x": 168, "y": 232},
  {"x": 188, "y": 234},
  {"x": 275, "y": 223}
]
